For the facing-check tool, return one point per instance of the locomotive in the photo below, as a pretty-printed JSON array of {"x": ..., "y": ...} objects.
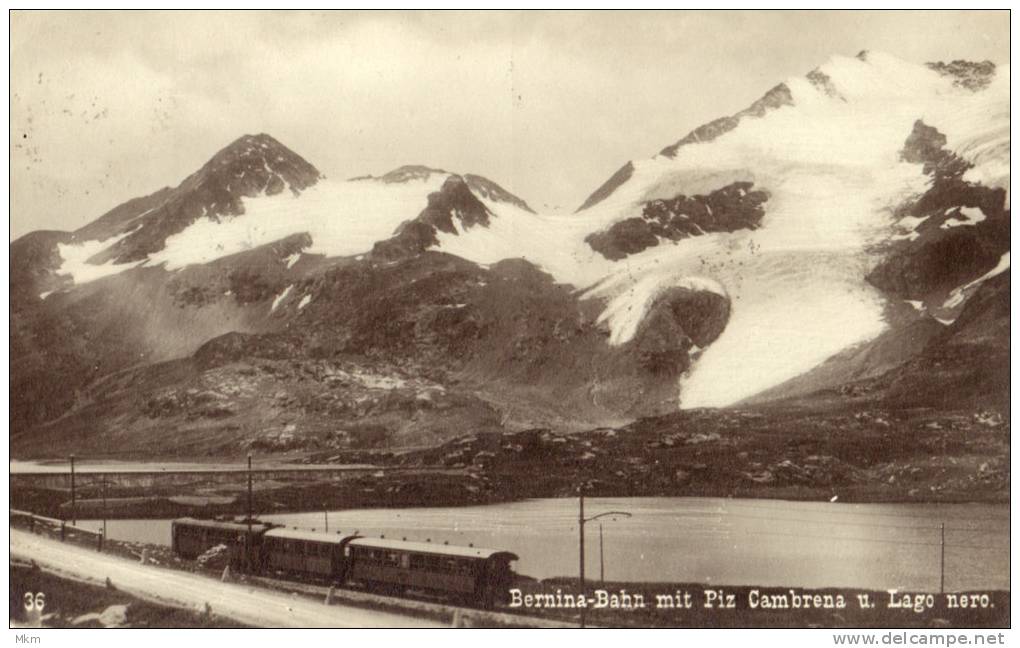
[{"x": 468, "y": 575}]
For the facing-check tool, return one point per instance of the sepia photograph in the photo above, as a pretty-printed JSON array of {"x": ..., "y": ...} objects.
[{"x": 509, "y": 319}]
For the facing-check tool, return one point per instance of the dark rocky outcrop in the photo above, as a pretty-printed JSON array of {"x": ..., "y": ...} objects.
[
  {"x": 823, "y": 82},
  {"x": 730, "y": 208},
  {"x": 972, "y": 75},
  {"x": 34, "y": 259},
  {"x": 606, "y": 189},
  {"x": 964, "y": 365},
  {"x": 941, "y": 257},
  {"x": 775, "y": 98},
  {"x": 490, "y": 190},
  {"x": 679, "y": 319},
  {"x": 926, "y": 145},
  {"x": 454, "y": 200}
]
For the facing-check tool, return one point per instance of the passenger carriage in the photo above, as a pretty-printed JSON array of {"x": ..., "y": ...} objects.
[
  {"x": 311, "y": 554},
  {"x": 190, "y": 538},
  {"x": 471, "y": 575},
  {"x": 478, "y": 576}
]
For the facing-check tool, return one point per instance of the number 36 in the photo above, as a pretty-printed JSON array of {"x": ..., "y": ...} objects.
[{"x": 35, "y": 601}]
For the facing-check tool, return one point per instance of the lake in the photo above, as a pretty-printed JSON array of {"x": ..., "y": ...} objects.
[{"x": 704, "y": 540}]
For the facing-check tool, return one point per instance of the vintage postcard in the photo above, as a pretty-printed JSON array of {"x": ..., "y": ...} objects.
[{"x": 510, "y": 319}]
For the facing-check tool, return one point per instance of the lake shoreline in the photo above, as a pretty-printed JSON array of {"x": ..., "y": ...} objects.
[{"x": 130, "y": 503}]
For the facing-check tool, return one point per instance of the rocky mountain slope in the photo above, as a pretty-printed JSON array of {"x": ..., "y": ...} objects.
[{"x": 844, "y": 241}]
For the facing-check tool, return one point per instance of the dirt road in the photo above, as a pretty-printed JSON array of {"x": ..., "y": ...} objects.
[{"x": 248, "y": 605}]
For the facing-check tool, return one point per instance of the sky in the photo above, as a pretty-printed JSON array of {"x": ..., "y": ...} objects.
[{"x": 107, "y": 106}]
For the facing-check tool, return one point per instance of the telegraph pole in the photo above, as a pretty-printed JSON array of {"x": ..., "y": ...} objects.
[
  {"x": 74, "y": 502},
  {"x": 942, "y": 559},
  {"x": 249, "y": 496},
  {"x": 105, "y": 513},
  {"x": 602, "y": 558},
  {"x": 580, "y": 529}
]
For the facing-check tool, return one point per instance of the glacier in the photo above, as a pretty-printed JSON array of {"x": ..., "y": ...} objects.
[{"x": 830, "y": 162}]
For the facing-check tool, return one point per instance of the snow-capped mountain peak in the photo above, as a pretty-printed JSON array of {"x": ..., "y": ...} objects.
[
  {"x": 783, "y": 207},
  {"x": 745, "y": 254},
  {"x": 255, "y": 164}
]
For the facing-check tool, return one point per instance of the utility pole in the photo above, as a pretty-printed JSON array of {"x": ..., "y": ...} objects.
[
  {"x": 602, "y": 558},
  {"x": 325, "y": 515},
  {"x": 942, "y": 559},
  {"x": 74, "y": 502},
  {"x": 580, "y": 530},
  {"x": 105, "y": 514},
  {"x": 249, "y": 497}
]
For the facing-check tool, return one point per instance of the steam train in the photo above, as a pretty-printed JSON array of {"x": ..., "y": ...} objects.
[{"x": 468, "y": 575}]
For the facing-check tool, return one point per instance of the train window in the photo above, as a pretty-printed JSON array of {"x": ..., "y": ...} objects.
[{"x": 417, "y": 561}]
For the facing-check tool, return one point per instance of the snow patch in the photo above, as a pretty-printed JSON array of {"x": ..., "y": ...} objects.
[
  {"x": 76, "y": 259},
  {"x": 280, "y": 297},
  {"x": 971, "y": 216},
  {"x": 304, "y": 301},
  {"x": 908, "y": 227},
  {"x": 292, "y": 259},
  {"x": 958, "y": 295},
  {"x": 342, "y": 218}
]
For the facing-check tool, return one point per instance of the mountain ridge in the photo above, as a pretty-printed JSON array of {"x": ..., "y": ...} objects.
[{"x": 710, "y": 272}]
